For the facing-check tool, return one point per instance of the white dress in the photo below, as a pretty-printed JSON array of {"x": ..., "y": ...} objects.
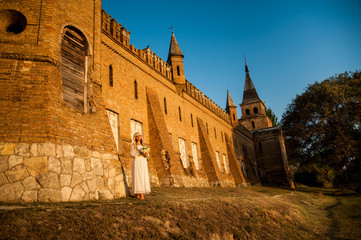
[{"x": 140, "y": 175}]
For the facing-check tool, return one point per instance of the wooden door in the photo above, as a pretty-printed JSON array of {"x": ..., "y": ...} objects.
[{"x": 73, "y": 68}]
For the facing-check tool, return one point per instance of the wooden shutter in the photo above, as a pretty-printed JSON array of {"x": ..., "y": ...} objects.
[{"x": 73, "y": 55}]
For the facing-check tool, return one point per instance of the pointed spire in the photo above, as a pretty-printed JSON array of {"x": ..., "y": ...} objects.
[
  {"x": 174, "y": 49},
  {"x": 229, "y": 102},
  {"x": 249, "y": 92}
]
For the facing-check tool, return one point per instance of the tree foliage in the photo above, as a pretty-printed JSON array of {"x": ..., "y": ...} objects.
[
  {"x": 323, "y": 132},
  {"x": 272, "y": 116}
]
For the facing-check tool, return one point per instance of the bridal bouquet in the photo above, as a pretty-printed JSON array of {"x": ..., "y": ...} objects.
[{"x": 144, "y": 151}]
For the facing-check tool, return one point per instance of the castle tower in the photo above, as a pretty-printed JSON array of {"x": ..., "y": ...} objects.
[
  {"x": 50, "y": 92},
  {"x": 253, "y": 109},
  {"x": 231, "y": 109},
  {"x": 175, "y": 59}
]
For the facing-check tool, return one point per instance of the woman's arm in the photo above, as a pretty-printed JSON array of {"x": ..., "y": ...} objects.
[{"x": 134, "y": 151}]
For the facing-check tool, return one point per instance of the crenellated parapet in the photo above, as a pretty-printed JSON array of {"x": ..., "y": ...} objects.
[
  {"x": 206, "y": 101},
  {"x": 120, "y": 35}
]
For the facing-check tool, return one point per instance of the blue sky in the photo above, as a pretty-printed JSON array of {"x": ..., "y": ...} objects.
[{"x": 288, "y": 44}]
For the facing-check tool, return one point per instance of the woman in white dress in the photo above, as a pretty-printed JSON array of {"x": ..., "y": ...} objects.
[{"x": 140, "y": 176}]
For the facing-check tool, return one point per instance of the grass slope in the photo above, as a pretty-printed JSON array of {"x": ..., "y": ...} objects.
[{"x": 192, "y": 213}]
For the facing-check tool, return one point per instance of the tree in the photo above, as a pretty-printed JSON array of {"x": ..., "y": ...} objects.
[
  {"x": 272, "y": 116},
  {"x": 322, "y": 129}
]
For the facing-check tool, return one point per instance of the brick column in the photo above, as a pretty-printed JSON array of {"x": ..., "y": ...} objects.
[
  {"x": 234, "y": 167},
  {"x": 159, "y": 138},
  {"x": 208, "y": 156}
]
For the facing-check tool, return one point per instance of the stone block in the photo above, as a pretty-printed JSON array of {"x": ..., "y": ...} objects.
[
  {"x": 76, "y": 179},
  {"x": 68, "y": 151},
  {"x": 87, "y": 163},
  {"x": 112, "y": 171},
  {"x": 30, "y": 196},
  {"x": 49, "y": 180},
  {"x": 3, "y": 164},
  {"x": 49, "y": 195},
  {"x": 111, "y": 184},
  {"x": 97, "y": 166},
  {"x": 16, "y": 173},
  {"x": 30, "y": 183},
  {"x": 84, "y": 186},
  {"x": 92, "y": 185},
  {"x": 77, "y": 194},
  {"x": 36, "y": 165},
  {"x": 46, "y": 149},
  {"x": 54, "y": 164},
  {"x": 65, "y": 180},
  {"x": 79, "y": 165},
  {"x": 34, "y": 150},
  {"x": 96, "y": 154},
  {"x": 66, "y": 165},
  {"x": 119, "y": 190},
  {"x": 11, "y": 192},
  {"x": 3, "y": 179},
  {"x": 94, "y": 196},
  {"x": 81, "y": 151},
  {"x": 15, "y": 160},
  {"x": 23, "y": 149},
  {"x": 65, "y": 193},
  {"x": 7, "y": 148},
  {"x": 106, "y": 195},
  {"x": 100, "y": 183},
  {"x": 59, "y": 151},
  {"x": 107, "y": 156}
]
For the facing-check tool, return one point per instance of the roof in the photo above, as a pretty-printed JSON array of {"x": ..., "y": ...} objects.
[
  {"x": 174, "y": 49},
  {"x": 229, "y": 102},
  {"x": 249, "y": 92}
]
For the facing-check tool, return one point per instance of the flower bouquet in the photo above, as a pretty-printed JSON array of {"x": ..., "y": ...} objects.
[{"x": 144, "y": 151}]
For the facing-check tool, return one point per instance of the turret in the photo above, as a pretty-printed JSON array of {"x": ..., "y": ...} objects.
[
  {"x": 231, "y": 109},
  {"x": 253, "y": 109},
  {"x": 175, "y": 59}
]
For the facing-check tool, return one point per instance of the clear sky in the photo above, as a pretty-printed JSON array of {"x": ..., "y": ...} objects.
[{"x": 288, "y": 44}]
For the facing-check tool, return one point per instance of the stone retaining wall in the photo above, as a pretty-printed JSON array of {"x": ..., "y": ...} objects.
[{"x": 58, "y": 172}]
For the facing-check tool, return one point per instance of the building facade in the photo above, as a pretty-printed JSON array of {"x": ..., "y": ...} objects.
[{"x": 73, "y": 91}]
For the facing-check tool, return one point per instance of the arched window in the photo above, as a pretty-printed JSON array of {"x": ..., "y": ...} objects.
[
  {"x": 215, "y": 133},
  {"x": 234, "y": 117},
  {"x": 178, "y": 72},
  {"x": 111, "y": 75},
  {"x": 207, "y": 128},
  {"x": 222, "y": 135},
  {"x": 255, "y": 110},
  {"x": 74, "y": 58},
  {"x": 192, "y": 119},
  {"x": 247, "y": 112},
  {"x": 253, "y": 126},
  {"x": 165, "y": 106},
  {"x": 135, "y": 89},
  {"x": 180, "y": 113}
]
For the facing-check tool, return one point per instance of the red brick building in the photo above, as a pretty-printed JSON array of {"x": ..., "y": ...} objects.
[{"x": 73, "y": 90}]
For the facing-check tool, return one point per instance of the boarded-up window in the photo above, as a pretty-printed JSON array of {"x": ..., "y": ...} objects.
[
  {"x": 195, "y": 155},
  {"x": 73, "y": 68},
  {"x": 225, "y": 163},
  {"x": 136, "y": 126},
  {"x": 113, "y": 120},
  {"x": 183, "y": 152},
  {"x": 219, "y": 161}
]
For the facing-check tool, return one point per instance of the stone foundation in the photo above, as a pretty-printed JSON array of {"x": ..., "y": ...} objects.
[{"x": 47, "y": 172}]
